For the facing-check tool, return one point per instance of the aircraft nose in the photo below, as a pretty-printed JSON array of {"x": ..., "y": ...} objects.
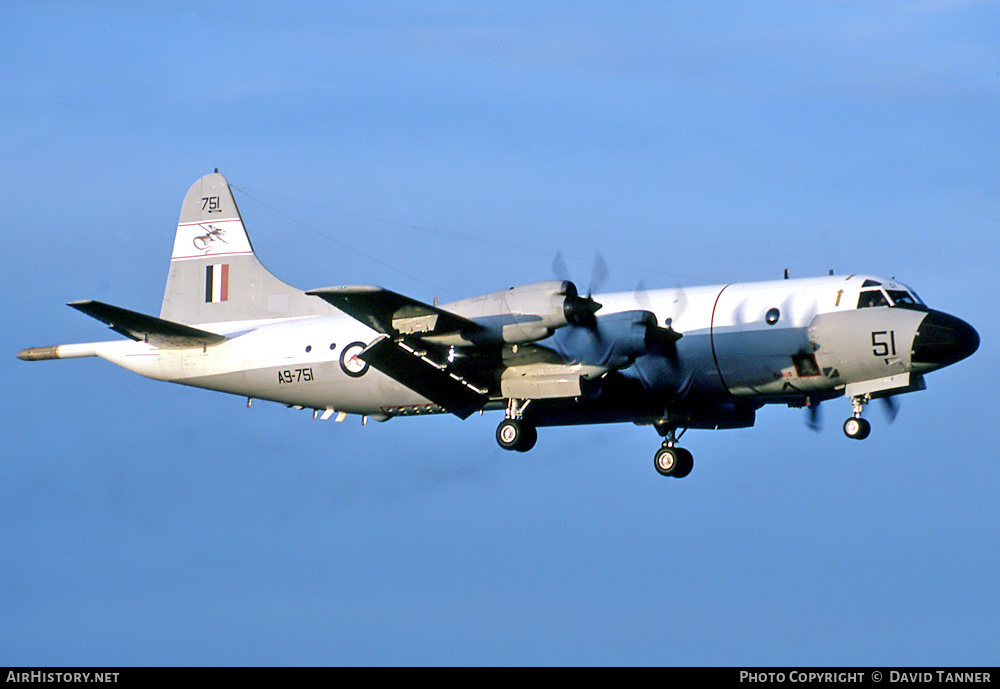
[{"x": 943, "y": 339}]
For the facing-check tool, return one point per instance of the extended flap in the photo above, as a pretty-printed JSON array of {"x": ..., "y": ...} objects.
[{"x": 406, "y": 364}]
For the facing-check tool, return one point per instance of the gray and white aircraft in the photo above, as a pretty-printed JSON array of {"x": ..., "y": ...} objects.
[{"x": 674, "y": 359}]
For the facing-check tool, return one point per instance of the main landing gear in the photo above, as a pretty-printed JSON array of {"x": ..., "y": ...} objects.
[
  {"x": 855, "y": 427},
  {"x": 514, "y": 433},
  {"x": 671, "y": 460}
]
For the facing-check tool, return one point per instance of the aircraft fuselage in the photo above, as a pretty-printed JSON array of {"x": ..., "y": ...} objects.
[
  {"x": 787, "y": 341},
  {"x": 692, "y": 357}
]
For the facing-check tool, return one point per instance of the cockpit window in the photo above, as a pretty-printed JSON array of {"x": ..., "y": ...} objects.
[
  {"x": 872, "y": 297},
  {"x": 902, "y": 297},
  {"x": 893, "y": 297},
  {"x": 871, "y": 283}
]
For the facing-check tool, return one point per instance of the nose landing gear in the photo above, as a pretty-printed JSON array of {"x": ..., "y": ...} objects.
[
  {"x": 673, "y": 461},
  {"x": 855, "y": 427}
]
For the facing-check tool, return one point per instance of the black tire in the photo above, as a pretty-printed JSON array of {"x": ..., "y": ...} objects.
[
  {"x": 685, "y": 463},
  {"x": 514, "y": 434},
  {"x": 666, "y": 461},
  {"x": 529, "y": 436},
  {"x": 673, "y": 461},
  {"x": 857, "y": 429}
]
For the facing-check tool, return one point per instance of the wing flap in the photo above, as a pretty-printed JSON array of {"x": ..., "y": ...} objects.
[
  {"x": 403, "y": 361},
  {"x": 139, "y": 326}
]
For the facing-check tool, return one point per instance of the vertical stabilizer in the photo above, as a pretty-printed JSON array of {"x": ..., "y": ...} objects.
[{"x": 214, "y": 275}]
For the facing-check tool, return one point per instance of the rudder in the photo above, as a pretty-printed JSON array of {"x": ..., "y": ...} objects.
[{"x": 214, "y": 275}]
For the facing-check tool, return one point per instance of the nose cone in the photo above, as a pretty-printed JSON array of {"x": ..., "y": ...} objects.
[{"x": 942, "y": 340}]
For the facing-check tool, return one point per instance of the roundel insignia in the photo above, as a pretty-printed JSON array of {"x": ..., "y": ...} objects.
[{"x": 351, "y": 363}]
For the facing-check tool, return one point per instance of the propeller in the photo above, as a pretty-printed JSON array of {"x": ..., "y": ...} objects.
[
  {"x": 814, "y": 419},
  {"x": 598, "y": 274},
  {"x": 739, "y": 313},
  {"x": 559, "y": 268},
  {"x": 581, "y": 310},
  {"x": 798, "y": 311},
  {"x": 641, "y": 295},
  {"x": 664, "y": 337},
  {"x": 891, "y": 407}
]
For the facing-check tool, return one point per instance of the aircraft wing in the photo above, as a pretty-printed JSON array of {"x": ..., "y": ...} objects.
[
  {"x": 393, "y": 313},
  {"x": 139, "y": 326}
]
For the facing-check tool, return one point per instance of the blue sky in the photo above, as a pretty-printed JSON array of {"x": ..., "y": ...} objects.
[{"x": 463, "y": 145}]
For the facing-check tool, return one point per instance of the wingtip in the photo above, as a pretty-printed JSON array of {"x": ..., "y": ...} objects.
[{"x": 80, "y": 304}]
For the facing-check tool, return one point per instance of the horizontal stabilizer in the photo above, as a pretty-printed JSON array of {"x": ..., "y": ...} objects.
[
  {"x": 139, "y": 326},
  {"x": 394, "y": 314},
  {"x": 405, "y": 364}
]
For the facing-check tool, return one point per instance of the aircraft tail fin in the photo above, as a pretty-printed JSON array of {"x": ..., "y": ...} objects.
[{"x": 214, "y": 275}]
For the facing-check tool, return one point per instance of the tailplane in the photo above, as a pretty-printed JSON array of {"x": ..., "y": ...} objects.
[{"x": 214, "y": 275}]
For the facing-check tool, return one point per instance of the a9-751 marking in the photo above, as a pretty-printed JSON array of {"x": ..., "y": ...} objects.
[{"x": 295, "y": 375}]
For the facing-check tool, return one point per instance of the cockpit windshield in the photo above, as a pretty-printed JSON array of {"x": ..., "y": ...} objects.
[
  {"x": 891, "y": 297},
  {"x": 903, "y": 298},
  {"x": 872, "y": 297}
]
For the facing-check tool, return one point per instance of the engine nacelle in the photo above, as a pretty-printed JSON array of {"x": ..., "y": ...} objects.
[
  {"x": 527, "y": 313},
  {"x": 616, "y": 341}
]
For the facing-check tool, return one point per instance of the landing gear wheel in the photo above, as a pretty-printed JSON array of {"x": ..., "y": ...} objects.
[
  {"x": 857, "y": 429},
  {"x": 673, "y": 461},
  {"x": 514, "y": 434},
  {"x": 686, "y": 463},
  {"x": 529, "y": 436}
]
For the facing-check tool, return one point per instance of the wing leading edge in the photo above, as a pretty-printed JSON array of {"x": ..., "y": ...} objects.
[
  {"x": 140, "y": 327},
  {"x": 395, "y": 314}
]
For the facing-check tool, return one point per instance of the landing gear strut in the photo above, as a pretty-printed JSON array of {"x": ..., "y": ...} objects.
[
  {"x": 514, "y": 433},
  {"x": 855, "y": 427},
  {"x": 671, "y": 460}
]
